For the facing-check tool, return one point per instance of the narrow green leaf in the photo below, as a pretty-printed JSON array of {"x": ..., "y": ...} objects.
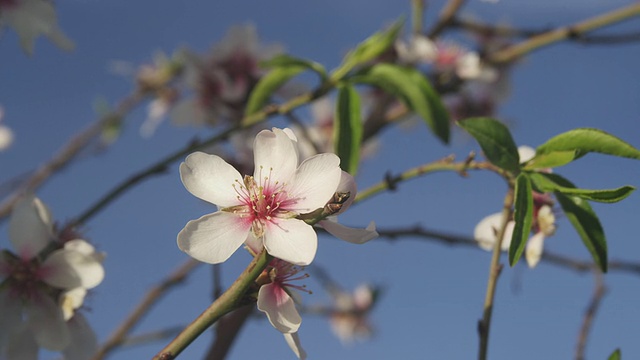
[
  {"x": 284, "y": 60},
  {"x": 523, "y": 217},
  {"x": 556, "y": 183},
  {"x": 587, "y": 140},
  {"x": 347, "y": 131},
  {"x": 413, "y": 90},
  {"x": 495, "y": 140},
  {"x": 268, "y": 84},
  {"x": 550, "y": 160},
  {"x": 369, "y": 49},
  {"x": 616, "y": 355},
  {"x": 587, "y": 224}
]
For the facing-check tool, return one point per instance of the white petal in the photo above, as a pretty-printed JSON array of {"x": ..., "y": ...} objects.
[
  {"x": 71, "y": 300},
  {"x": 279, "y": 307},
  {"x": 68, "y": 269},
  {"x": 294, "y": 343},
  {"x": 10, "y": 316},
  {"x": 275, "y": 156},
  {"x": 291, "y": 240},
  {"x": 6, "y": 137},
  {"x": 534, "y": 249},
  {"x": 352, "y": 235},
  {"x": 526, "y": 153},
  {"x": 214, "y": 237},
  {"x": 211, "y": 179},
  {"x": 347, "y": 184},
  {"x": 83, "y": 340},
  {"x": 315, "y": 182},
  {"x": 487, "y": 229},
  {"x": 22, "y": 345},
  {"x": 30, "y": 227},
  {"x": 47, "y": 323}
]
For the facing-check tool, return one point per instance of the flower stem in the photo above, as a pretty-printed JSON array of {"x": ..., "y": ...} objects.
[
  {"x": 494, "y": 272},
  {"x": 230, "y": 300}
]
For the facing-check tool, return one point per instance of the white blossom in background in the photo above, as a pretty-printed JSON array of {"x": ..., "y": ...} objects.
[
  {"x": 30, "y": 19},
  {"x": 6, "y": 134},
  {"x": 222, "y": 79},
  {"x": 419, "y": 49},
  {"x": 349, "y": 320},
  {"x": 265, "y": 205},
  {"x": 543, "y": 226},
  {"x": 32, "y": 313}
]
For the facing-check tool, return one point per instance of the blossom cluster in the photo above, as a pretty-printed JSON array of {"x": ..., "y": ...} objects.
[
  {"x": 270, "y": 210},
  {"x": 43, "y": 283}
]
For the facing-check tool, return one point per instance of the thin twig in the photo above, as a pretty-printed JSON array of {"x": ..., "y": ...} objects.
[
  {"x": 150, "y": 299},
  {"x": 590, "y": 313},
  {"x": 70, "y": 150},
  {"x": 563, "y": 33},
  {"x": 448, "y": 13}
]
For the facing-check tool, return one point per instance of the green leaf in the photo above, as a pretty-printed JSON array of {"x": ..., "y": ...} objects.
[
  {"x": 587, "y": 140},
  {"x": 347, "y": 131},
  {"x": 413, "y": 90},
  {"x": 268, "y": 84},
  {"x": 550, "y": 160},
  {"x": 523, "y": 217},
  {"x": 369, "y": 49},
  {"x": 495, "y": 140},
  {"x": 283, "y": 61},
  {"x": 587, "y": 224},
  {"x": 616, "y": 355},
  {"x": 556, "y": 183}
]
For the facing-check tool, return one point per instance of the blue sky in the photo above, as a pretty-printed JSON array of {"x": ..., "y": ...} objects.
[{"x": 433, "y": 293}]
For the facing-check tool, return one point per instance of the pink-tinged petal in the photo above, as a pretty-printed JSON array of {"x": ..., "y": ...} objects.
[
  {"x": 10, "y": 316},
  {"x": 214, "y": 237},
  {"x": 46, "y": 321},
  {"x": 486, "y": 232},
  {"x": 534, "y": 249},
  {"x": 352, "y": 235},
  {"x": 30, "y": 227},
  {"x": 211, "y": 179},
  {"x": 293, "y": 340},
  {"x": 68, "y": 269},
  {"x": 291, "y": 240},
  {"x": 315, "y": 182},
  {"x": 281, "y": 311},
  {"x": 253, "y": 243},
  {"x": 22, "y": 345},
  {"x": 274, "y": 156},
  {"x": 83, "y": 340},
  {"x": 347, "y": 185}
]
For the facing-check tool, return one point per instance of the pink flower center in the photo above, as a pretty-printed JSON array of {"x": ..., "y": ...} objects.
[
  {"x": 24, "y": 278},
  {"x": 263, "y": 201},
  {"x": 284, "y": 273}
]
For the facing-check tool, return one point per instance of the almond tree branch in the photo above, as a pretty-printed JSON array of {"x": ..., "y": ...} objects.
[
  {"x": 516, "y": 51},
  {"x": 446, "y": 15},
  {"x": 589, "y": 315}
]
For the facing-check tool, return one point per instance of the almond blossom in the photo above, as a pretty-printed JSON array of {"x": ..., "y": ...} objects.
[
  {"x": 349, "y": 318},
  {"x": 266, "y": 205},
  {"x": 6, "y": 135},
  {"x": 32, "y": 18},
  {"x": 34, "y": 278}
]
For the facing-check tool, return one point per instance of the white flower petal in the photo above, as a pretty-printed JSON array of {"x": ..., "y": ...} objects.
[
  {"x": 22, "y": 345},
  {"x": 68, "y": 269},
  {"x": 275, "y": 156},
  {"x": 214, "y": 237},
  {"x": 211, "y": 179},
  {"x": 6, "y": 137},
  {"x": 294, "y": 343},
  {"x": 71, "y": 300},
  {"x": 47, "y": 323},
  {"x": 352, "y": 235},
  {"x": 281, "y": 311},
  {"x": 30, "y": 227},
  {"x": 534, "y": 249},
  {"x": 315, "y": 182},
  {"x": 291, "y": 240},
  {"x": 10, "y": 316},
  {"x": 83, "y": 340},
  {"x": 526, "y": 153},
  {"x": 486, "y": 232}
]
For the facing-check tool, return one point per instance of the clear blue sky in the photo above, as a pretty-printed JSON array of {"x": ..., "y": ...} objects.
[{"x": 434, "y": 293}]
